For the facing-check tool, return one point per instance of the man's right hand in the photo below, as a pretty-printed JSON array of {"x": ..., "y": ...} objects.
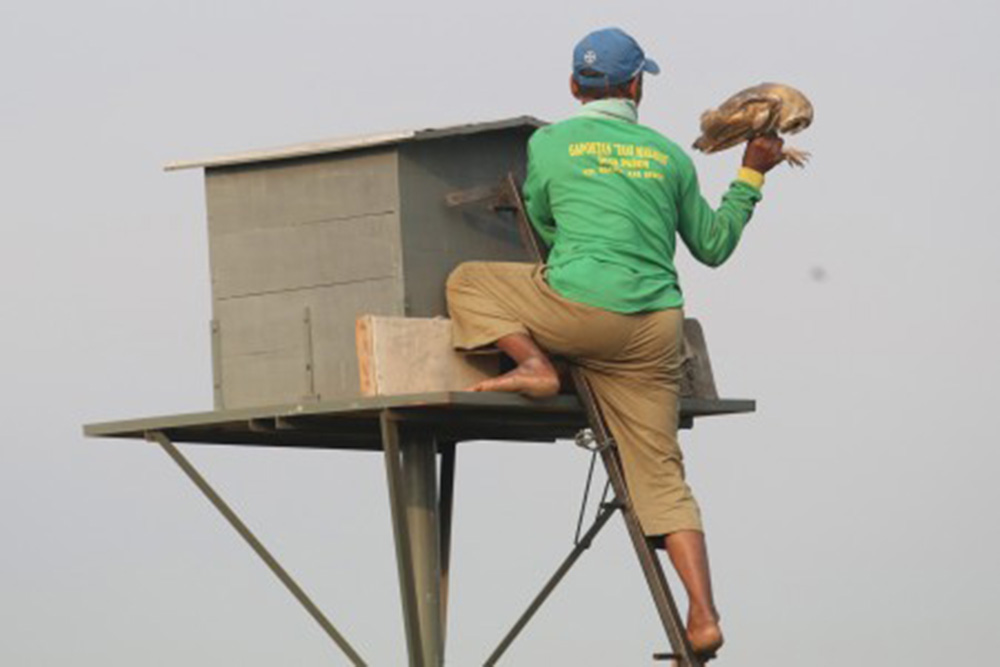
[{"x": 764, "y": 153}]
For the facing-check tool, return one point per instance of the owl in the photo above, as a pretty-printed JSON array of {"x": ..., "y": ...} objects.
[{"x": 769, "y": 108}]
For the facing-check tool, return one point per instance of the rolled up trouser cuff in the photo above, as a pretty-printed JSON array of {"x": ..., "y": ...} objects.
[{"x": 664, "y": 527}]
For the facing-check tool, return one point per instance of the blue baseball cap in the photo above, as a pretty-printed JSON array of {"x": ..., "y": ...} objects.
[{"x": 613, "y": 54}]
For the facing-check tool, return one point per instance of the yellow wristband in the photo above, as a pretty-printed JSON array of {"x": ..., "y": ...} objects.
[{"x": 751, "y": 177}]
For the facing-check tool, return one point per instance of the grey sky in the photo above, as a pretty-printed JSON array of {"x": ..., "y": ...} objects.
[{"x": 852, "y": 520}]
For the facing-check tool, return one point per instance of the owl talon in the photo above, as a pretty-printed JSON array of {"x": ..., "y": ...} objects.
[{"x": 796, "y": 157}]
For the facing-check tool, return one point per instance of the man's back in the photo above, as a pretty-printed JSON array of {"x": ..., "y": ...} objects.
[{"x": 610, "y": 196}]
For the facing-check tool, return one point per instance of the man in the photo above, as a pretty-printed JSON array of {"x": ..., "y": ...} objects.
[{"x": 610, "y": 196}]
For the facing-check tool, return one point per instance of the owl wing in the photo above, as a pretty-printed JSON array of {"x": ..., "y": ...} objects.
[{"x": 739, "y": 119}]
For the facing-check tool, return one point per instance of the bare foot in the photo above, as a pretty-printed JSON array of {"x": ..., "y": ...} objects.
[
  {"x": 705, "y": 635},
  {"x": 535, "y": 378}
]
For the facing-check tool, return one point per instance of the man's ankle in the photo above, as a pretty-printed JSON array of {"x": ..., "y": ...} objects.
[{"x": 702, "y": 615}]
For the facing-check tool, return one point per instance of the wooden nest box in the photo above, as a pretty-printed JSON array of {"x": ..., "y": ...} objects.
[{"x": 304, "y": 239}]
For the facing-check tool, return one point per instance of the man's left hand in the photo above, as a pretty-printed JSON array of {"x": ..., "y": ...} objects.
[{"x": 764, "y": 153}]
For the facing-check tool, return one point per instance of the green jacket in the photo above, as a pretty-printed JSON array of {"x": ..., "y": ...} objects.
[{"x": 610, "y": 197}]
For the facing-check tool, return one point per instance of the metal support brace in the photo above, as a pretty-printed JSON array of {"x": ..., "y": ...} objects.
[
  {"x": 605, "y": 513},
  {"x": 161, "y": 439}
]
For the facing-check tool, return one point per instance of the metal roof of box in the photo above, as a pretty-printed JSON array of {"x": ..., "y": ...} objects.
[{"x": 343, "y": 144}]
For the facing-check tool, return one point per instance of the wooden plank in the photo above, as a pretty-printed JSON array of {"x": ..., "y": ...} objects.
[
  {"x": 364, "y": 340},
  {"x": 404, "y": 355},
  {"x": 271, "y": 259},
  {"x": 287, "y": 193}
]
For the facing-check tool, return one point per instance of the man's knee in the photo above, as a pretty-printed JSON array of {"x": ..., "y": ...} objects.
[
  {"x": 460, "y": 275},
  {"x": 465, "y": 277}
]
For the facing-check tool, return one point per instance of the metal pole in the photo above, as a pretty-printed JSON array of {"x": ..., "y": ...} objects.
[
  {"x": 411, "y": 469},
  {"x": 160, "y": 438},
  {"x": 447, "y": 504},
  {"x": 401, "y": 531},
  {"x": 420, "y": 482},
  {"x": 584, "y": 543}
]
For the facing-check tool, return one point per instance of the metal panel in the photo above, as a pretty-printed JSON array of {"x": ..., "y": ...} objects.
[
  {"x": 333, "y": 321},
  {"x": 317, "y": 235},
  {"x": 328, "y": 252},
  {"x": 436, "y": 238},
  {"x": 264, "y": 378},
  {"x": 264, "y": 351},
  {"x": 294, "y": 192},
  {"x": 217, "y": 397}
]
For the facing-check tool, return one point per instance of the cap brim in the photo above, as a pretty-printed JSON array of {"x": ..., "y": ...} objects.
[{"x": 650, "y": 66}]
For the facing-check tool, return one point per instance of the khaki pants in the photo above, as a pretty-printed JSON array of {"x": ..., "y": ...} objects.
[{"x": 633, "y": 363}]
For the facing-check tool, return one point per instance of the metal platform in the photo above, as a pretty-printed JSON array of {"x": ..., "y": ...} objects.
[
  {"x": 354, "y": 423},
  {"x": 411, "y": 431}
]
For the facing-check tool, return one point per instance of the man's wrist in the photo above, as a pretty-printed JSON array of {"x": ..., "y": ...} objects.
[{"x": 751, "y": 176}]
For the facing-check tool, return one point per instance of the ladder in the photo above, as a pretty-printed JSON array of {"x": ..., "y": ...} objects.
[{"x": 598, "y": 439}]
